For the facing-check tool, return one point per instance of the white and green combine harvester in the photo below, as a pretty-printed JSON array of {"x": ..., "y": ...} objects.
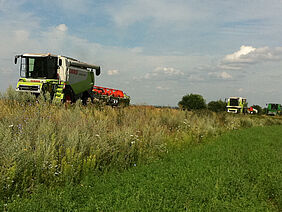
[
  {"x": 237, "y": 105},
  {"x": 65, "y": 78}
]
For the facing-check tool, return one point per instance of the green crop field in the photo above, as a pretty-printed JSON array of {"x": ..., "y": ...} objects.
[{"x": 71, "y": 157}]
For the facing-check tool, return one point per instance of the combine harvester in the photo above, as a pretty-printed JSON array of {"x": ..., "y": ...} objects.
[
  {"x": 273, "y": 109},
  {"x": 65, "y": 79},
  {"x": 237, "y": 105}
]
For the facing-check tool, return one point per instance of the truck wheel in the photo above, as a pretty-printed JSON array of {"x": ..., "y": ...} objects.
[
  {"x": 114, "y": 102},
  {"x": 69, "y": 97},
  {"x": 86, "y": 99}
]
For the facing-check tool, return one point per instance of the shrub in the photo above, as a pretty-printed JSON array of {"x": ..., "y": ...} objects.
[
  {"x": 192, "y": 102},
  {"x": 259, "y": 108},
  {"x": 217, "y": 106}
]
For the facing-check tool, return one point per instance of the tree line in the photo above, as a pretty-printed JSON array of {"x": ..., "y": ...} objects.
[{"x": 197, "y": 102}]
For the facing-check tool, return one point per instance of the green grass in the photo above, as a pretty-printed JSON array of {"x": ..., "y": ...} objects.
[
  {"x": 238, "y": 171},
  {"x": 56, "y": 144}
]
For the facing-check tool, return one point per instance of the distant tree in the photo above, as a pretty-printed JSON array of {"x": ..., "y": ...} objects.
[
  {"x": 217, "y": 106},
  {"x": 192, "y": 102},
  {"x": 259, "y": 108}
]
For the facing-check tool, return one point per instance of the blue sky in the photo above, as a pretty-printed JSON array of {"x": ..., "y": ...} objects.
[{"x": 155, "y": 50}]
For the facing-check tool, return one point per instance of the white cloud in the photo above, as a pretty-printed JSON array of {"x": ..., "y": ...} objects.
[
  {"x": 62, "y": 27},
  {"x": 162, "y": 88},
  {"x": 163, "y": 72},
  {"x": 220, "y": 75},
  {"x": 113, "y": 72},
  {"x": 225, "y": 75},
  {"x": 168, "y": 71},
  {"x": 240, "y": 56},
  {"x": 250, "y": 55}
]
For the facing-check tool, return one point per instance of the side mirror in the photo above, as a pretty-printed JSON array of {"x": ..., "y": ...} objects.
[
  {"x": 98, "y": 71},
  {"x": 16, "y": 59},
  {"x": 60, "y": 62}
]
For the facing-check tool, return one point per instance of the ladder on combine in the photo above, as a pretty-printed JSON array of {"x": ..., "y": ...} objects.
[{"x": 59, "y": 95}]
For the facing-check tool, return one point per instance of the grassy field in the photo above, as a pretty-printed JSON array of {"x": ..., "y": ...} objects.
[
  {"x": 56, "y": 145},
  {"x": 239, "y": 171}
]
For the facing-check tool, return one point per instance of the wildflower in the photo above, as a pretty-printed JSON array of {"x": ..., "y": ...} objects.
[
  {"x": 132, "y": 142},
  {"x": 97, "y": 135},
  {"x": 11, "y": 125},
  {"x": 134, "y": 164}
]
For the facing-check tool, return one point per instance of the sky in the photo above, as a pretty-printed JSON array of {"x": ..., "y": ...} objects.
[{"x": 156, "y": 51}]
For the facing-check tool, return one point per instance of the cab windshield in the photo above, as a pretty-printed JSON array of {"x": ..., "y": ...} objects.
[
  {"x": 234, "y": 102},
  {"x": 274, "y": 106},
  {"x": 39, "y": 67}
]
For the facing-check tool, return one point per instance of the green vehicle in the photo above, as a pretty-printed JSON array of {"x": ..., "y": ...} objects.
[
  {"x": 237, "y": 105},
  {"x": 273, "y": 109},
  {"x": 65, "y": 78}
]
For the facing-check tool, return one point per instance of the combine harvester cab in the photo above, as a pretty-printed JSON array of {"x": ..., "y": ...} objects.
[
  {"x": 273, "y": 109},
  {"x": 65, "y": 78},
  {"x": 237, "y": 105}
]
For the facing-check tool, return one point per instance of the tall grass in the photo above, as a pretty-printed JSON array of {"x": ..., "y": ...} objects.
[
  {"x": 55, "y": 144},
  {"x": 238, "y": 171}
]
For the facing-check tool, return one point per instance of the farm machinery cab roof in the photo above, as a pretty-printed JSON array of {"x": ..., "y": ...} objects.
[{"x": 47, "y": 66}]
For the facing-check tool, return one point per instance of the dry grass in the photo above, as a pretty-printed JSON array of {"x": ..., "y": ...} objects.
[{"x": 62, "y": 144}]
